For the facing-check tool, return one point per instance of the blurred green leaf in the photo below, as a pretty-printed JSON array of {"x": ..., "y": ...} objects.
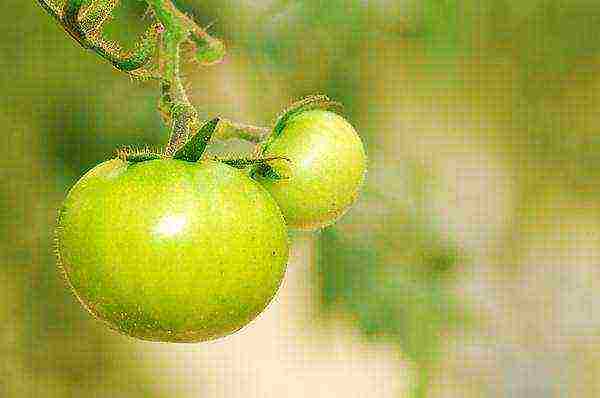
[{"x": 394, "y": 299}]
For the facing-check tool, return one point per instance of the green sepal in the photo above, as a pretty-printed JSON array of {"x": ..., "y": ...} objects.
[
  {"x": 193, "y": 149},
  {"x": 266, "y": 171},
  {"x": 143, "y": 157},
  {"x": 134, "y": 155},
  {"x": 242, "y": 163},
  {"x": 306, "y": 104},
  {"x": 259, "y": 167}
]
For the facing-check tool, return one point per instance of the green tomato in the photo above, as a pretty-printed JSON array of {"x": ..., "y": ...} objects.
[
  {"x": 167, "y": 250},
  {"x": 326, "y": 172}
]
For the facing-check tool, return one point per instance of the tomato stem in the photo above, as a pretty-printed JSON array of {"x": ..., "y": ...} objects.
[
  {"x": 174, "y": 105},
  {"x": 85, "y": 26},
  {"x": 51, "y": 9},
  {"x": 228, "y": 129},
  {"x": 84, "y": 21}
]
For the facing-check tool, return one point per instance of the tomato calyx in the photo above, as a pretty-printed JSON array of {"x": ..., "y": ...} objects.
[
  {"x": 191, "y": 151},
  {"x": 318, "y": 101},
  {"x": 267, "y": 171},
  {"x": 195, "y": 146},
  {"x": 258, "y": 166},
  {"x": 138, "y": 155}
]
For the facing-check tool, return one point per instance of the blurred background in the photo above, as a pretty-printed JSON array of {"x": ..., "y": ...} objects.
[{"x": 470, "y": 267}]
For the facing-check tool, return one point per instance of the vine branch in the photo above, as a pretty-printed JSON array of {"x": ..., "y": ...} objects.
[
  {"x": 85, "y": 27},
  {"x": 84, "y": 21},
  {"x": 174, "y": 105},
  {"x": 228, "y": 129}
]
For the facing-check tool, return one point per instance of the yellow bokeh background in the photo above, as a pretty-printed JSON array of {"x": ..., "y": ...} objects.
[{"x": 469, "y": 266}]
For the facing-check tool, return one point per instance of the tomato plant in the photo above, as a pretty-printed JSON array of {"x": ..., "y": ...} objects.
[
  {"x": 171, "y": 250},
  {"x": 173, "y": 246},
  {"x": 326, "y": 168}
]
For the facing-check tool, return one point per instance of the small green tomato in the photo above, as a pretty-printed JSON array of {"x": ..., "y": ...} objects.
[
  {"x": 326, "y": 170},
  {"x": 167, "y": 250}
]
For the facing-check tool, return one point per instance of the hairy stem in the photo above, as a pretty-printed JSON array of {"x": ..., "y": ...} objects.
[
  {"x": 228, "y": 129},
  {"x": 93, "y": 18},
  {"x": 84, "y": 21},
  {"x": 85, "y": 26},
  {"x": 242, "y": 163},
  {"x": 51, "y": 9},
  {"x": 174, "y": 104}
]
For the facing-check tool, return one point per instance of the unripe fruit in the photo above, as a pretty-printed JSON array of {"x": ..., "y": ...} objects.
[
  {"x": 326, "y": 170},
  {"x": 174, "y": 251}
]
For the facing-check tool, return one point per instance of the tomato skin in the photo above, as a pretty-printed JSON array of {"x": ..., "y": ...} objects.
[
  {"x": 167, "y": 250},
  {"x": 327, "y": 169}
]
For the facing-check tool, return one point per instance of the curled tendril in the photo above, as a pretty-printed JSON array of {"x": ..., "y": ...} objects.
[
  {"x": 84, "y": 21},
  {"x": 94, "y": 17}
]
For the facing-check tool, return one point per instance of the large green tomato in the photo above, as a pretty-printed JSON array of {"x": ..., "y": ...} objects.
[
  {"x": 327, "y": 169},
  {"x": 167, "y": 250}
]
